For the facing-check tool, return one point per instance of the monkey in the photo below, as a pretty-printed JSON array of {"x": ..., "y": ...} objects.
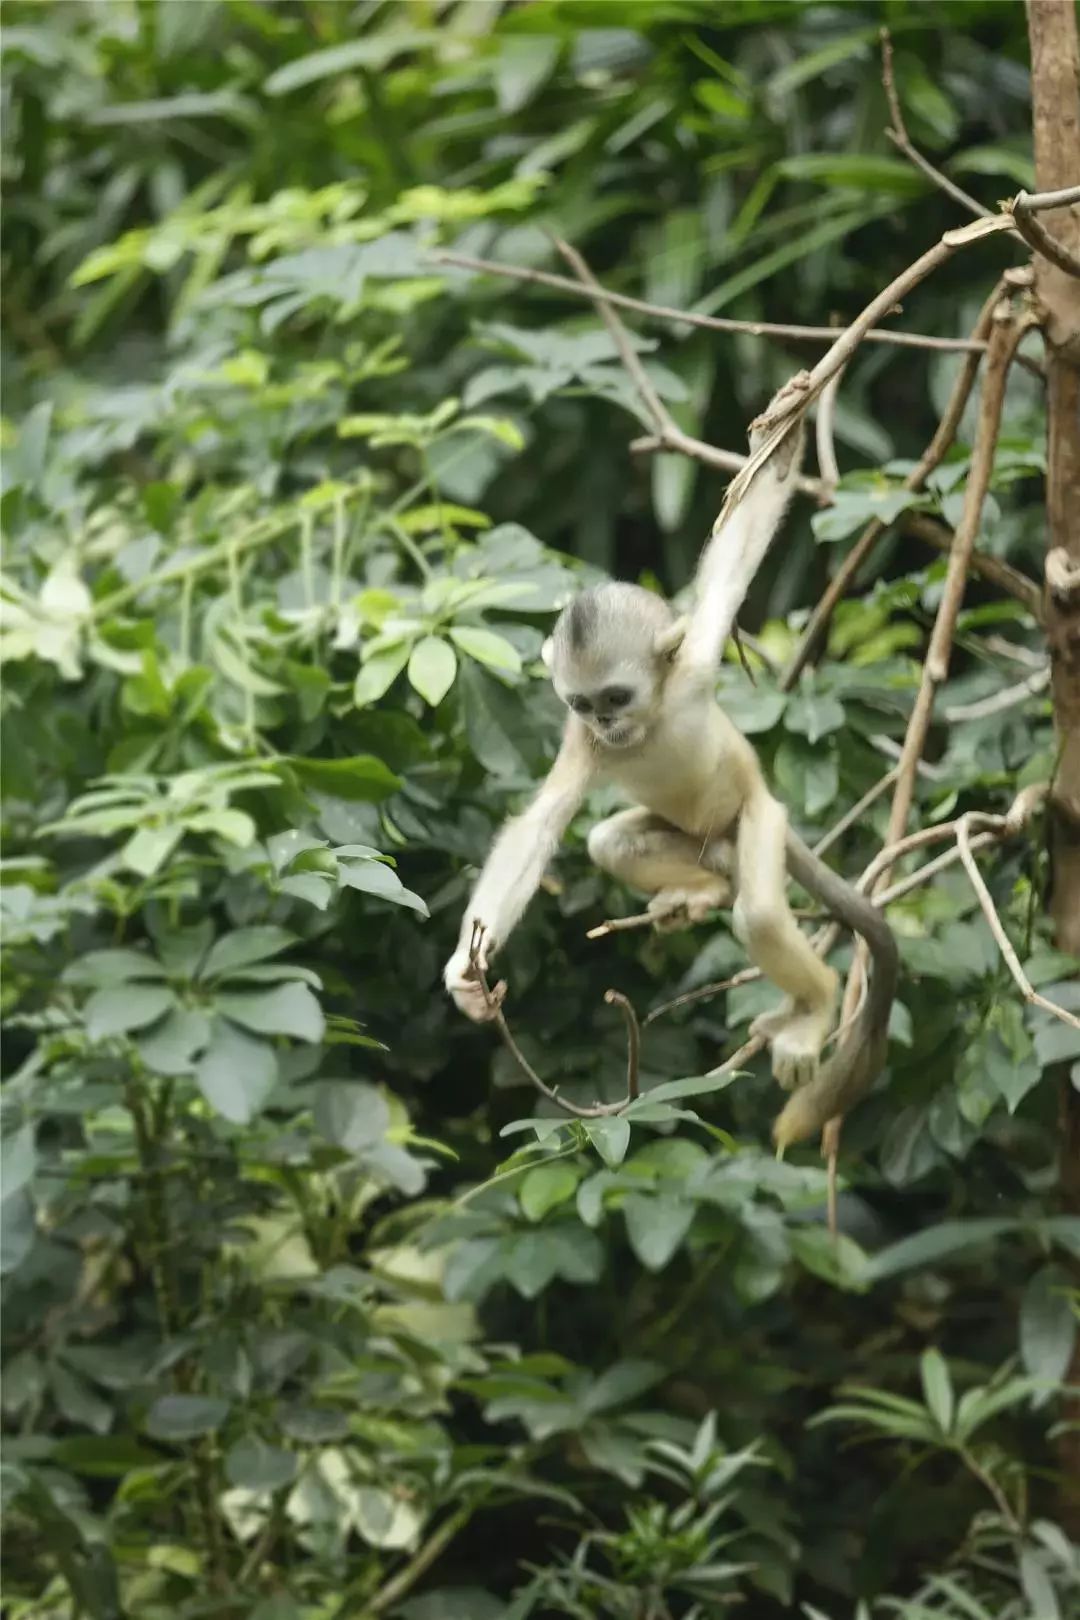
[{"x": 639, "y": 687}]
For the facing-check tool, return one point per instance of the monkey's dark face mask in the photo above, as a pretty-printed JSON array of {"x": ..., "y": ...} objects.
[{"x": 618, "y": 699}]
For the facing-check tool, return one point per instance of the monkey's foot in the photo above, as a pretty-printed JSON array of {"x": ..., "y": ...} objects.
[
  {"x": 672, "y": 909},
  {"x": 796, "y": 1037}
]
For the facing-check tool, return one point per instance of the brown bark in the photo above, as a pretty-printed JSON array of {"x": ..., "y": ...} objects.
[{"x": 1055, "y": 85}]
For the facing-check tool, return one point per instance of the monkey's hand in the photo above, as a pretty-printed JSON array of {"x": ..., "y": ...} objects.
[
  {"x": 461, "y": 977},
  {"x": 778, "y": 410},
  {"x": 677, "y": 908}
]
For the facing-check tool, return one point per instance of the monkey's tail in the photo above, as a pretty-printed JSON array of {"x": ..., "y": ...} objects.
[{"x": 860, "y": 1053}]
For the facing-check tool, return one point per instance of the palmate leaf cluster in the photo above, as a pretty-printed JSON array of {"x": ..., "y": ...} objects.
[{"x": 309, "y": 1309}]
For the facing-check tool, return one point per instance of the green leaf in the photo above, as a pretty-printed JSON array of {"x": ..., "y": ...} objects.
[
  {"x": 655, "y": 1226},
  {"x": 545, "y": 1187},
  {"x": 244, "y": 946},
  {"x": 862, "y": 172},
  {"x": 288, "y": 1009},
  {"x": 621, "y": 1383},
  {"x": 171, "y": 1046},
  {"x": 813, "y": 715},
  {"x": 185, "y": 1417},
  {"x": 351, "y": 1113},
  {"x": 937, "y": 1388},
  {"x": 115, "y": 1012},
  {"x": 375, "y": 877},
  {"x": 610, "y": 1138},
  {"x": 1048, "y": 1325},
  {"x": 18, "y": 1160},
  {"x": 936, "y": 1243},
  {"x": 432, "y": 667},
  {"x": 236, "y": 1074},
  {"x": 99, "y": 969},
  {"x": 378, "y": 673},
  {"x": 361, "y": 777},
  {"x": 255, "y": 1466},
  {"x": 372, "y": 52},
  {"x": 486, "y": 647},
  {"x": 148, "y": 850},
  {"x": 530, "y": 1263}
]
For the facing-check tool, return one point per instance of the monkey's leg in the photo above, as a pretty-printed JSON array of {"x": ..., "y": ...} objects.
[
  {"x": 763, "y": 921},
  {"x": 686, "y": 878}
]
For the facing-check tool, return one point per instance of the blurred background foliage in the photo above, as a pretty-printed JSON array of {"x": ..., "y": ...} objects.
[{"x": 288, "y": 504}]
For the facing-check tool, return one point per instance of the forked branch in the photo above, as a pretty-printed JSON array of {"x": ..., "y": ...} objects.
[{"x": 493, "y": 999}]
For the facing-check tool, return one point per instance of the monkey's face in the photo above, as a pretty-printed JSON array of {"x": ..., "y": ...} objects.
[
  {"x": 607, "y": 658},
  {"x": 616, "y": 700}
]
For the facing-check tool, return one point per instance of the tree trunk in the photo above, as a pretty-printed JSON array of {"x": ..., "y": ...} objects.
[{"x": 1055, "y": 89}]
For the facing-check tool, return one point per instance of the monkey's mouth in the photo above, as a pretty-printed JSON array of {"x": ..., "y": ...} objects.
[{"x": 621, "y": 736}]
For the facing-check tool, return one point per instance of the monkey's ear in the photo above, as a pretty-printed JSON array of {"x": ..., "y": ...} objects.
[
  {"x": 547, "y": 652},
  {"x": 670, "y": 640}
]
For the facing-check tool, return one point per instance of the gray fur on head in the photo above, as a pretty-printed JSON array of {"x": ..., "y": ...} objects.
[{"x": 608, "y": 619}]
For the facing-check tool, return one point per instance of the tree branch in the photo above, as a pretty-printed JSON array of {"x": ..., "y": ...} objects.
[
  {"x": 900, "y": 138},
  {"x": 1025, "y": 206},
  {"x": 683, "y": 317}
]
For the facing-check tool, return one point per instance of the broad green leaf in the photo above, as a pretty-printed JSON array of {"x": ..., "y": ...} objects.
[
  {"x": 375, "y": 877},
  {"x": 18, "y": 1160},
  {"x": 623, "y": 1382},
  {"x": 1048, "y": 1324},
  {"x": 360, "y": 777},
  {"x": 288, "y": 1009},
  {"x": 99, "y": 969},
  {"x": 486, "y": 647},
  {"x": 134, "y": 1006},
  {"x": 610, "y": 1137},
  {"x": 530, "y": 1262},
  {"x": 545, "y": 1187},
  {"x": 432, "y": 667},
  {"x": 172, "y": 1045},
  {"x": 351, "y": 1113},
  {"x": 148, "y": 850},
  {"x": 236, "y": 1073},
  {"x": 185, "y": 1417},
  {"x": 936, "y": 1243},
  {"x": 656, "y": 1226},
  {"x": 378, "y": 673},
  {"x": 255, "y": 1466},
  {"x": 244, "y": 946}
]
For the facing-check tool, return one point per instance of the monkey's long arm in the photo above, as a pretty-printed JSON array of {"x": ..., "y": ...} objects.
[
  {"x": 516, "y": 862},
  {"x": 735, "y": 551},
  {"x": 860, "y": 1052}
]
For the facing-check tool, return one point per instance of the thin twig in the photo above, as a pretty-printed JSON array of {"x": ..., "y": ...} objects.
[
  {"x": 990, "y": 912},
  {"x": 900, "y": 138},
  {"x": 823, "y": 428},
  {"x": 615, "y": 998},
  {"x": 931, "y": 458},
  {"x": 493, "y": 1001},
  {"x": 997, "y": 702},
  {"x": 871, "y": 796},
  {"x": 1035, "y": 233},
  {"x": 680, "y": 443},
  {"x": 710, "y": 323},
  {"x": 659, "y": 414}
]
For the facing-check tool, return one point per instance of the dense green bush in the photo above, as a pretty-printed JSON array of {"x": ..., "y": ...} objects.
[{"x": 287, "y": 1333}]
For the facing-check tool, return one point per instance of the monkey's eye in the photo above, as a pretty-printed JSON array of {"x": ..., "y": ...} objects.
[
  {"x": 579, "y": 705},
  {"x": 617, "y": 697}
]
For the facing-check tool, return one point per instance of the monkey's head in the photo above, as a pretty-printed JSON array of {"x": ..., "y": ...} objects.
[{"x": 608, "y": 656}]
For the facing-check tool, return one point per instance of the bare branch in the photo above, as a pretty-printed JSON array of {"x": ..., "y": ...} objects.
[
  {"x": 679, "y": 443},
  {"x": 900, "y": 138},
  {"x": 493, "y": 999},
  {"x": 826, "y": 449},
  {"x": 1012, "y": 961},
  {"x": 662, "y": 419},
  {"x": 931, "y": 458},
  {"x": 997, "y": 702},
  {"x": 711, "y": 323},
  {"x": 1035, "y": 233}
]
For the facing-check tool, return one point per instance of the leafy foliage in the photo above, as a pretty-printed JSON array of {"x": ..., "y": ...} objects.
[{"x": 295, "y": 1326}]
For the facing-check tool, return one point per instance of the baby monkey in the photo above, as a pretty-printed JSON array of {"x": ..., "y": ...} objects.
[{"x": 640, "y": 688}]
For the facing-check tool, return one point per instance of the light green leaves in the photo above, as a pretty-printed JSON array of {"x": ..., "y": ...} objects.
[
  {"x": 432, "y": 667},
  {"x": 237, "y": 1072}
]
